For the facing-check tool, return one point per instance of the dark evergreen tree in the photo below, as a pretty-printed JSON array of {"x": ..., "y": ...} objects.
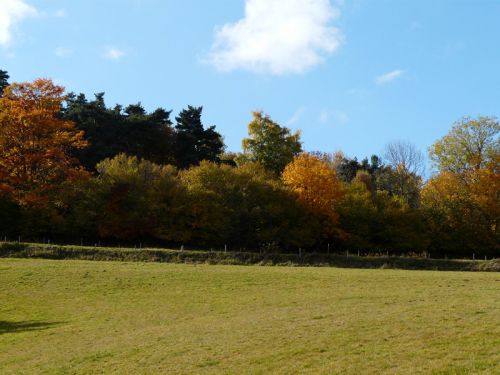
[
  {"x": 348, "y": 168},
  {"x": 193, "y": 142},
  {"x": 4, "y": 81},
  {"x": 113, "y": 131}
]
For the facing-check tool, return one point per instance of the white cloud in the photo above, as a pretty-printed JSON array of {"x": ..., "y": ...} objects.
[
  {"x": 277, "y": 37},
  {"x": 62, "y": 52},
  {"x": 112, "y": 53},
  {"x": 11, "y": 13},
  {"x": 388, "y": 77}
]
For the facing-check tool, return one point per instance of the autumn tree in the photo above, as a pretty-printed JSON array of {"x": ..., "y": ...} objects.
[
  {"x": 137, "y": 199},
  {"x": 357, "y": 212},
  {"x": 244, "y": 207},
  {"x": 461, "y": 202},
  {"x": 34, "y": 142},
  {"x": 269, "y": 144},
  {"x": 471, "y": 144},
  {"x": 400, "y": 182},
  {"x": 463, "y": 211},
  {"x": 316, "y": 186}
]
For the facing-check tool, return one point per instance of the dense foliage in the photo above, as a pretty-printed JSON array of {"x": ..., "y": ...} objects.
[{"x": 74, "y": 169}]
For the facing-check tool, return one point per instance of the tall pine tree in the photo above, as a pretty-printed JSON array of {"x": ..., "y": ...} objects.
[
  {"x": 4, "y": 81},
  {"x": 194, "y": 143}
]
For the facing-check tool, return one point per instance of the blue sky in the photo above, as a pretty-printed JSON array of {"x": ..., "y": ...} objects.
[{"x": 351, "y": 74}]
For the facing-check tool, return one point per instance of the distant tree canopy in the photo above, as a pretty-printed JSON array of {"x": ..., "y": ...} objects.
[
  {"x": 72, "y": 167},
  {"x": 111, "y": 131},
  {"x": 348, "y": 168}
]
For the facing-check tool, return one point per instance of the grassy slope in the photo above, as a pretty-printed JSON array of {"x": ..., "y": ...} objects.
[{"x": 84, "y": 317}]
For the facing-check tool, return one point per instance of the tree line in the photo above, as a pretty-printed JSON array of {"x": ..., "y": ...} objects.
[{"x": 74, "y": 168}]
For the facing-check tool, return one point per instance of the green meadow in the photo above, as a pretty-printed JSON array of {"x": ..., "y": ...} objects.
[{"x": 81, "y": 317}]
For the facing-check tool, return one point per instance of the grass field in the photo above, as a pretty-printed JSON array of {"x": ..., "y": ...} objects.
[{"x": 79, "y": 317}]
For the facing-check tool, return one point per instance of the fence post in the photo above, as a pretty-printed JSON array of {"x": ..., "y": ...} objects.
[{"x": 225, "y": 248}]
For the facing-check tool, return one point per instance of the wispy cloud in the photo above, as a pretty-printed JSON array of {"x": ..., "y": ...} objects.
[
  {"x": 62, "y": 52},
  {"x": 60, "y": 13},
  {"x": 11, "y": 13},
  {"x": 113, "y": 53},
  {"x": 358, "y": 92},
  {"x": 333, "y": 115},
  {"x": 389, "y": 77},
  {"x": 297, "y": 115},
  {"x": 277, "y": 37}
]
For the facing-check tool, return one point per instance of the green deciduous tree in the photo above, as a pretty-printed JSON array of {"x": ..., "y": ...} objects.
[
  {"x": 269, "y": 144},
  {"x": 470, "y": 144},
  {"x": 400, "y": 182},
  {"x": 138, "y": 199},
  {"x": 245, "y": 207}
]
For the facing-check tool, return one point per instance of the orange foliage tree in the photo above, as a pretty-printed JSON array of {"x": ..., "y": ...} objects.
[
  {"x": 316, "y": 186},
  {"x": 35, "y": 143},
  {"x": 463, "y": 209}
]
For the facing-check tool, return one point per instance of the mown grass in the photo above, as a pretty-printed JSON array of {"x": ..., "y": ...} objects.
[
  {"x": 80, "y": 317},
  {"x": 44, "y": 251}
]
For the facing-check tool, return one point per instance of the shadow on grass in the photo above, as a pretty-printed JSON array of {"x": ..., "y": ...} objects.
[{"x": 16, "y": 327}]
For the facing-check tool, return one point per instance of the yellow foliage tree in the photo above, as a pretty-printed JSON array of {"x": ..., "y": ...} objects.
[
  {"x": 463, "y": 209},
  {"x": 316, "y": 186}
]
